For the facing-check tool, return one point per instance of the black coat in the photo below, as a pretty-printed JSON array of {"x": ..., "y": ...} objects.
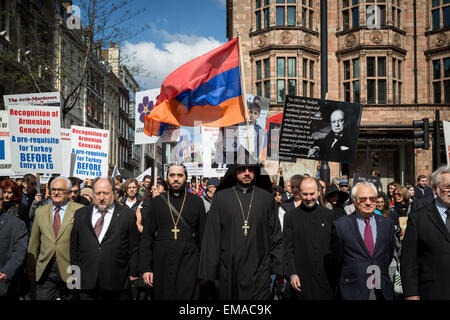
[
  {"x": 242, "y": 264},
  {"x": 425, "y": 256},
  {"x": 174, "y": 263},
  {"x": 111, "y": 262},
  {"x": 341, "y": 151},
  {"x": 13, "y": 249},
  {"x": 351, "y": 258},
  {"x": 306, "y": 251}
]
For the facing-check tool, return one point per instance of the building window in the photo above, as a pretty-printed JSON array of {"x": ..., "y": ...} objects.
[
  {"x": 262, "y": 14},
  {"x": 307, "y": 9},
  {"x": 441, "y": 80},
  {"x": 396, "y": 80},
  {"x": 440, "y": 14},
  {"x": 286, "y": 77},
  {"x": 263, "y": 78},
  {"x": 376, "y": 80},
  {"x": 308, "y": 78},
  {"x": 351, "y": 82},
  {"x": 286, "y": 12},
  {"x": 396, "y": 13},
  {"x": 381, "y": 4},
  {"x": 350, "y": 14}
]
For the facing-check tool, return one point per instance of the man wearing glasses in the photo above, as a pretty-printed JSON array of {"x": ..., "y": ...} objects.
[
  {"x": 49, "y": 248},
  {"x": 424, "y": 258},
  {"x": 362, "y": 248}
]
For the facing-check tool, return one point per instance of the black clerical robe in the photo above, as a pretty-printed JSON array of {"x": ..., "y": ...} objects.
[
  {"x": 307, "y": 236},
  {"x": 174, "y": 263},
  {"x": 242, "y": 264}
]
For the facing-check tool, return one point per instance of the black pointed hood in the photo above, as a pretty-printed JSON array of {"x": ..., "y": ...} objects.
[{"x": 244, "y": 158}]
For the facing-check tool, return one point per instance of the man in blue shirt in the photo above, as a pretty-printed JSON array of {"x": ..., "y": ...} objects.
[
  {"x": 49, "y": 248},
  {"x": 362, "y": 248}
]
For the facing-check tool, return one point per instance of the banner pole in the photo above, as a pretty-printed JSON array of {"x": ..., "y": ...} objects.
[
  {"x": 243, "y": 89},
  {"x": 155, "y": 168}
]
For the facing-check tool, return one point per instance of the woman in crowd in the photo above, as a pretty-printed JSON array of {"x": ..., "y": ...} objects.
[
  {"x": 277, "y": 195},
  {"x": 382, "y": 204},
  {"x": 131, "y": 197},
  {"x": 12, "y": 202},
  {"x": 401, "y": 208},
  {"x": 391, "y": 186}
]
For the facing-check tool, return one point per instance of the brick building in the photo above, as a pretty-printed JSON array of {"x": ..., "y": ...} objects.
[{"x": 399, "y": 71}]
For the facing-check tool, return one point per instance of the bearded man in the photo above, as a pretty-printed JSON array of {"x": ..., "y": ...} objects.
[
  {"x": 242, "y": 244},
  {"x": 170, "y": 244}
]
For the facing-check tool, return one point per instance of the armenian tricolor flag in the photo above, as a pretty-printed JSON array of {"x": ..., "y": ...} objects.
[{"x": 206, "y": 89}]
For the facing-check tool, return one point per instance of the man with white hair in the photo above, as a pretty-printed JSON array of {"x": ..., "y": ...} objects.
[
  {"x": 362, "y": 248},
  {"x": 49, "y": 248},
  {"x": 424, "y": 260}
]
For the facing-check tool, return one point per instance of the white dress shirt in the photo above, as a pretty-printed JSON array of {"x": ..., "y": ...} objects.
[{"x": 96, "y": 215}]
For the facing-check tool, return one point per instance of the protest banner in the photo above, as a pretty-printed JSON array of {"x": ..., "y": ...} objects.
[
  {"x": 35, "y": 133},
  {"x": 90, "y": 145},
  {"x": 67, "y": 168},
  {"x": 51, "y": 99},
  {"x": 362, "y": 178},
  {"x": 5, "y": 146},
  {"x": 446, "y": 126},
  {"x": 145, "y": 100},
  {"x": 319, "y": 129}
]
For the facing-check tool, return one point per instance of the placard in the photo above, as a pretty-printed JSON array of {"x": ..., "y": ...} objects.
[
  {"x": 319, "y": 130},
  {"x": 35, "y": 139},
  {"x": 5, "y": 145},
  {"x": 90, "y": 145}
]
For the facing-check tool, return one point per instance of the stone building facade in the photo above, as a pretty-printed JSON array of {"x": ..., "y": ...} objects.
[{"x": 392, "y": 56}]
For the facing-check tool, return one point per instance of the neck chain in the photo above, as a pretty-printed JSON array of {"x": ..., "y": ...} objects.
[
  {"x": 245, "y": 226},
  {"x": 175, "y": 230}
]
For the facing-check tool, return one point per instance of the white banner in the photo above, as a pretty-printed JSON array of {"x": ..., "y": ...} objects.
[
  {"x": 5, "y": 146},
  {"x": 51, "y": 99},
  {"x": 66, "y": 152},
  {"x": 447, "y": 139},
  {"x": 35, "y": 139},
  {"x": 91, "y": 147},
  {"x": 145, "y": 100}
]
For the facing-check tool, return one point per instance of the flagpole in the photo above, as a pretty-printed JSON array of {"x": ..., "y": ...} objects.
[
  {"x": 243, "y": 89},
  {"x": 155, "y": 180}
]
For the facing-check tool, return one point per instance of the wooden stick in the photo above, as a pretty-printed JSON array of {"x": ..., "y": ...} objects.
[
  {"x": 243, "y": 89},
  {"x": 155, "y": 182}
]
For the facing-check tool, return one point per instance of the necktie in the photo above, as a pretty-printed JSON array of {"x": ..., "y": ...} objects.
[
  {"x": 447, "y": 220},
  {"x": 368, "y": 237},
  {"x": 56, "y": 221},
  {"x": 99, "y": 224}
]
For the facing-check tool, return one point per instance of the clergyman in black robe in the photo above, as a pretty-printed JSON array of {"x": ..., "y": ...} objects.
[
  {"x": 170, "y": 264},
  {"x": 307, "y": 233},
  {"x": 242, "y": 261}
]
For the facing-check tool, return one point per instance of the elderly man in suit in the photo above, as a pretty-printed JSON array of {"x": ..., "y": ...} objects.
[
  {"x": 362, "y": 248},
  {"x": 104, "y": 244},
  {"x": 425, "y": 259},
  {"x": 13, "y": 249},
  {"x": 48, "y": 252}
]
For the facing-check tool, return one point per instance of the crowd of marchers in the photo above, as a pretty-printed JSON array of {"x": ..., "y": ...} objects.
[{"x": 245, "y": 236}]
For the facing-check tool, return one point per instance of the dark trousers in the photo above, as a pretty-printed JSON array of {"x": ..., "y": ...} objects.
[{"x": 50, "y": 286}]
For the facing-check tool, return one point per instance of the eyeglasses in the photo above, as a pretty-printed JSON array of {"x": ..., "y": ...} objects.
[
  {"x": 364, "y": 199},
  {"x": 397, "y": 194},
  {"x": 54, "y": 190}
]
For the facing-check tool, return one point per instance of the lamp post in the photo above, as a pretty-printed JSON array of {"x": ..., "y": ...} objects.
[{"x": 324, "y": 170}]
